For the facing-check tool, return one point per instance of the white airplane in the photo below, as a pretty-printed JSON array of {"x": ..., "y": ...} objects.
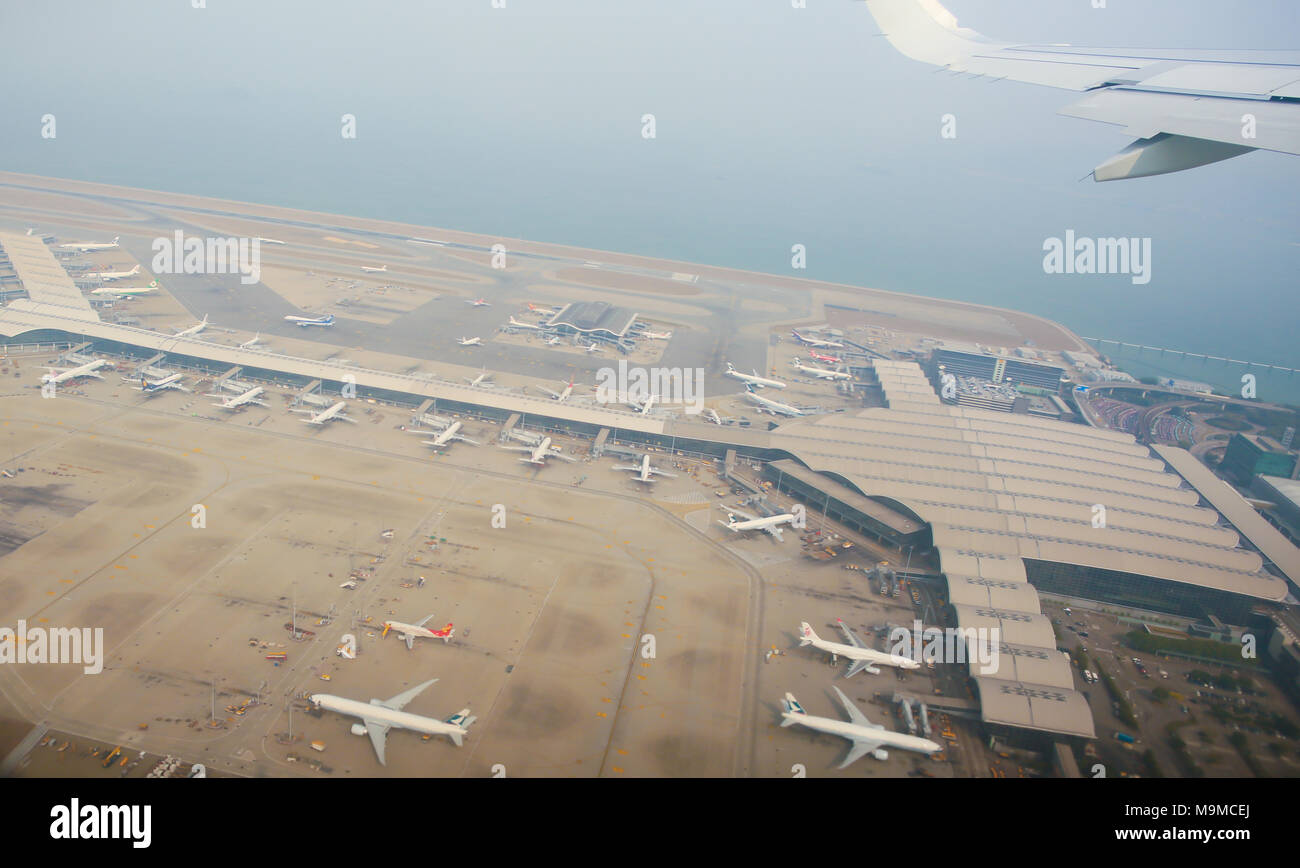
[
  {"x": 771, "y": 524},
  {"x": 374, "y": 269},
  {"x": 479, "y": 379},
  {"x": 470, "y": 342},
  {"x": 125, "y": 290},
  {"x": 711, "y": 415},
  {"x": 91, "y": 245},
  {"x": 863, "y": 657},
  {"x": 816, "y": 342},
  {"x": 410, "y": 632},
  {"x": 514, "y": 323},
  {"x": 256, "y": 339},
  {"x": 820, "y": 372},
  {"x": 644, "y": 472},
  {"x": 594, "y": 348},
  {"x": 560, "y": 396},
  {"x": 544, "y": 311},
  {"x": 867, "y": 737},
  {"x": 111, "y": 275},
  {"x": 550, "y": 342},
  {"x": 304, "y": 321},
  {"x": 240, "y": 400},
  {"x": 1184, "y": 107},
  {"x": 449, "y": 435},
  {"x": 659, "y": 336},
  {"x": 478, "y": 302},
  {"x": 773, "y": 406},
  {"x": 539, "y": 453},
  {"x": 157, "y": 387},
  {"x": 380, "y": 715},
  {"x": 752, "y": 379},
  {"x": 334, "y": 411},
  {"x": 268, "y": 240},
  {"x": 194, "y": 329},
  {"x": 63, "y": 375},
  {"x": 643, "y": 407}
]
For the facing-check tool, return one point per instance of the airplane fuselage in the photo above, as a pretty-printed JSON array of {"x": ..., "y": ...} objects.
[
  {"x": 849, "y": 730},
  {"x": 390, "y": 717}
]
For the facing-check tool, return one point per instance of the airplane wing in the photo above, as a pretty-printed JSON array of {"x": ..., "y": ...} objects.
[
  {"x": 562, "y": 457},
  {"x": 849, "y": 634},
  {"x": 1185, "y": 108},
  {"x": 738, "y": 511},
  {"x": 466, "y": 440},
  {"x": 378, "y": 733},
  {"x": 861, "y": 747},
  {"x": 775, "y": 531},
  {"x": 855, "y": 715},
  {"x": 398, "y": 702},
  {"x": 859, "y": 665},
  {"x": 410, "y": 641},
  {"x": 634, "y": 469},
  {"x": 424, "y": 620}
]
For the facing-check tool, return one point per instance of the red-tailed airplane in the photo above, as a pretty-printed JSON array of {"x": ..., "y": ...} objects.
[{"x": 410, "y": 632}]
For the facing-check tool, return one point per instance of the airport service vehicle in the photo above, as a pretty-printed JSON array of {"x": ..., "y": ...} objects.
[
  {"x": 379, "y": 716},
  {"x": 1184, "y": 106},
  {"x": 863, "y": 658},
  {"x": 752, "y": 379},
  {"x": 644, "y": 472},
  {"x": 867, "y": 737},
  {"x": 307, "y": 321},
  {"x": 410, "y": 632}
]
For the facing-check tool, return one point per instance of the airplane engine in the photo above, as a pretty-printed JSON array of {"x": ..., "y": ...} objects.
[
  {"x": 873, "y": 670},
  {"x": 358, "y": 729},
  {"x": 881, "y": 754}
]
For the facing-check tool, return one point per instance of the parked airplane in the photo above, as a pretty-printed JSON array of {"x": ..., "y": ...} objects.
[
  {"x": 594, "y": 348},
  {"x": 711, "y": 415},
  {"x": 379, "y": 716},
  {"x": 863, "y": 657},
  {"x": 1185, "y": 106},
  {"x": 644, "y": 472},
  {"x": 63, "y": 375},
  {"x": 867, "y": 737},
  {"x": 256, "y": 339},
  {"x": 478, "y": 302},
  {"x": 561, "y": 396},
  {"x": 642, "y": 407},
  {"x": 539, "y": 453},
  {"x": 111, "y": 275},
  {"x": 552, "y": 341},
  {"x": 773, "y": 406},
  {"x": 752, "y": 379},
  {"x": 91, "y": 245},
  {"x": 514, "y": 323},
  {"x": 335, "y": 411},
  {"x": 479, "y": 379},
  {"x": 659, "y": 336},
  {"x": 448, "y": 435},
  {"x": 410, "y": 632},
  {"x": 124, "y": 291},
  {"x": 249, "y": 397},
  {"x": 156, "y": 387},
  {"x": 470, "y": 342},
  {"x": 834, "y": 360},
  {"x": 304, "y": 321},
  {"x": 544, "y": 311},
  {"x": 771, "y": 524},
  {"x": 821, "y": 373},
  {"x": 194, "y": 329},
  {"x": 816, "y": 342},
  {"x": 374, "y": 269}
]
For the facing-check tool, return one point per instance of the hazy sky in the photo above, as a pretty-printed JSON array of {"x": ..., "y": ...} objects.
[{"x": 775, "y": 126}]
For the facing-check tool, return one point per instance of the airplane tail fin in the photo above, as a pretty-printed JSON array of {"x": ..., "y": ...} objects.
[
  {"x": 464, "y": 720},
  {"x": 806, "y": 634},
  {"x": 791, "y": 706}
]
